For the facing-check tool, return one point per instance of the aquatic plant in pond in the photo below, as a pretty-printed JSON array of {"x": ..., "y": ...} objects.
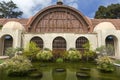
[
  {"x": 105, "y": 64},
  {"x": 45, "y": 55},
  {"x": 73, "y": 55},
  {"x": 16, "y": 66}
]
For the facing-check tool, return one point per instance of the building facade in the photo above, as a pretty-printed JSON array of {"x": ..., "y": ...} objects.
[{"x": 60, "y": 27}]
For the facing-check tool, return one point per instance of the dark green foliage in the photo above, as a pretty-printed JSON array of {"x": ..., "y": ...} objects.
[
  {"x": 9, "y": 10},
  {"x": 112, "y": 12}
]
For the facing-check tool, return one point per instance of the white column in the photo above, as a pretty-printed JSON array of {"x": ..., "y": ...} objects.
[
  {"x": 47, "y": 39},
  {"x": 17, "y": 39},
  {"x": 70, "y": 42}
]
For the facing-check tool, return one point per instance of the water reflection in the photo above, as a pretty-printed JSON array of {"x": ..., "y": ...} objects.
[{"x": 69, "y": 74}]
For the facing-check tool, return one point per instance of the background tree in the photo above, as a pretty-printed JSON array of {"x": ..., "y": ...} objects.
[
  {"x": 9, "y": 10},
  {"x": 111, "y": 12}
]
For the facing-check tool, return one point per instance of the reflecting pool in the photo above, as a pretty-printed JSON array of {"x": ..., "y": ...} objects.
[{"x": 49, "y": 73}]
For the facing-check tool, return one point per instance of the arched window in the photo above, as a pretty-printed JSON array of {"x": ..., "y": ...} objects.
[
  {"x": 80, "y": 42},
  {"x": 59, "y": 43},
  {"x": 111, "y": 43},
  {"x": 59, "y": 46},
  {"x": 7, "y": 42},
  {"x": 38, "y": 41}
]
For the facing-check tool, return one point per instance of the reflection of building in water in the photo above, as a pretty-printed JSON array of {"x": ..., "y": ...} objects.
[{"x": 60, "y": 27}]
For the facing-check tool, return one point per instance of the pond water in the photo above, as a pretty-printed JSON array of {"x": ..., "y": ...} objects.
[{"x": 69, "y": 74}]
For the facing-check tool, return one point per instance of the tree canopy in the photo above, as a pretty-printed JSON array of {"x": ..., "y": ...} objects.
[
  {"x": 111, "y": 12},
  {"x": 9, "y": 10}
]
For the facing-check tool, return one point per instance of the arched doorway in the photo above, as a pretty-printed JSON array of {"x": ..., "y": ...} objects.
[
  {"x": 38, "y": 41},
  {"x": 7, "y": 42},
  {"x": 80, "y": 42},
  {"x": 59, "y": 46},
  {"x": 111, "y": 45}
]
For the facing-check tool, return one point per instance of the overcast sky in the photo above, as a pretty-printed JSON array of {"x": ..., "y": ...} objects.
[{"x": 87, "y": 7}]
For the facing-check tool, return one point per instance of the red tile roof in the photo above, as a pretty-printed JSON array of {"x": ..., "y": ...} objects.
[
  {"x": 22, "y": 21},
  {"x": 115, "y": 22},
  {"x": 94, "y": 22}
]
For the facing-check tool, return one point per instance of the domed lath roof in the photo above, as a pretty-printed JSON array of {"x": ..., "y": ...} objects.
[
  {"x": 13, "y": 26},
  {"x": 59, "y": 18}
]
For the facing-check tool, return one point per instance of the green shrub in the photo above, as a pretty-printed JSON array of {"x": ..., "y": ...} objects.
[
  {"x": 105, "y": 64},
  {"x": 73, "y": 55},
  {"x": 18, "y": 65},
  {"x": 31, "y": 50},
  {"x": 106, "y": 50},
  {"x": 10, "y": 52},
  {"x": 89, "y": 55},
  {"x": 59, "y": 60},
  {"x": 45, "y": 55},
  {"x": 88, "y": 52}
]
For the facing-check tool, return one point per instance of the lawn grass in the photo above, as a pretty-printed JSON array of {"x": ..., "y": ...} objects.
[
  {"x": 1, "y": 61},
  {"x": 117, "y": 61}
]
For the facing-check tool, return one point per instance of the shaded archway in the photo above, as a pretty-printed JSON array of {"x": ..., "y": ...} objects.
[
  {"x": 59, "y": 46},
  {"x": 38, "y": 41},
  {"x": 80, "y": 42},
  {"x": 7, "y": 41},
  {"x": 111, "y": 44}
]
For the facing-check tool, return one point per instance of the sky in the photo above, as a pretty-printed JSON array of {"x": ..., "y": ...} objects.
[{"x": 86, "y": 7}]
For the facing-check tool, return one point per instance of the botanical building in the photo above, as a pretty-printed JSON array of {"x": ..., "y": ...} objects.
[{"x": 60, "y": 27}]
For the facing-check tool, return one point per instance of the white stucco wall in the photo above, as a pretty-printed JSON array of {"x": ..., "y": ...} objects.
[
  {"x": 16, "y": 35},
  {"x": 104, "y": 30},
  {"x": 69, "y": 37},
  {"x": 96, "y": 39},
  {"x": 115, "y": 33}
]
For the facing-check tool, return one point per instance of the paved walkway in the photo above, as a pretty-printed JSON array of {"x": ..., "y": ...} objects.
[
  {"x": 117, "y": 64},
  {"x": 4, "y": 57}
]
